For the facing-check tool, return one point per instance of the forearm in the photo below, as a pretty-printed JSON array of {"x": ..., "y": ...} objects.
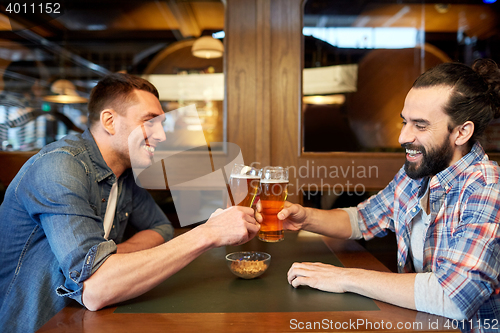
[
  {"x": 393, "y": 288},
  {"x": 399, "y": 289},
  {"x": 142, "y": 240},
  {"x": 125, "y": 276},
  {"x": 332, "y": 223}
]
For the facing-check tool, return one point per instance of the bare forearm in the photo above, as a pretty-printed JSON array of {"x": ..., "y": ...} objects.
[
  {"x": 332, "y": 223},
  {"x": 393, "y": 288},
  {"x": 397, "y": 289},
  {"x": 142, "y": 240},
  {"x": 125, "y": 276}
]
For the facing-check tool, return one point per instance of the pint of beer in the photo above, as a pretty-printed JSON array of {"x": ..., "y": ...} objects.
[
  {"x": 243, "y": 185},
  {"x": 273, "y": 194}
]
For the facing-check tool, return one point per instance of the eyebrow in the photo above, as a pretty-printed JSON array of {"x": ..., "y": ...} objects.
[
  {"x": 417, "y": 120},
  {"x": 152, "y": 115}
]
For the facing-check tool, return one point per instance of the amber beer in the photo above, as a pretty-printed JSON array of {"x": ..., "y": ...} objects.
[
  {"x": 243, "y": 185},
  {"x": 273, "y": 194},
  {"x": 244, "y": 188}
]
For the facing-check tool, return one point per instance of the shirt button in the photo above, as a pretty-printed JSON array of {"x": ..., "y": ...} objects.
[
  {"x": 126, "y": 214},
  {"x": 400, "y": 264},
  {"x": 113, "y": 226},
  {"x": 414, "y": 210},
  {"x": 103, "y": 200}
]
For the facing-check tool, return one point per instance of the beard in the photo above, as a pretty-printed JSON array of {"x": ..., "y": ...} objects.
[{"x": 433, "y": 161}]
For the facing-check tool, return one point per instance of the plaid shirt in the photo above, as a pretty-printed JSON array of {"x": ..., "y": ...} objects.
[{"x": 462, "y": 244}]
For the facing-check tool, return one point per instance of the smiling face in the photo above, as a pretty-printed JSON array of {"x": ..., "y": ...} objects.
[
  {"x": 139, "y": 129},
  {"x": 425, "y": 134}
]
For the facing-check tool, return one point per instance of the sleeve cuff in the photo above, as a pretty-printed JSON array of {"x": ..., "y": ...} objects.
[
  {"x": 95, "y": 257},
  {"x": 431, "y": 298},
  {"x": 353, "y": 218},
  {"x": 165, "y": 230}
]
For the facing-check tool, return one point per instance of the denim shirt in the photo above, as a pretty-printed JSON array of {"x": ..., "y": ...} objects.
[{"x": 51, "y": 229}]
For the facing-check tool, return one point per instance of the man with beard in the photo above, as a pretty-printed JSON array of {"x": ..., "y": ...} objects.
[
  {"x": 443, "y": 206},
  {"x": 63, "y": 219}
]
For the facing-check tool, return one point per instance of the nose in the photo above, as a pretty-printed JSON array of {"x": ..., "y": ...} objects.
[
  {"x": 406, "y": 135},
  {"x": 159, "y": 132}
]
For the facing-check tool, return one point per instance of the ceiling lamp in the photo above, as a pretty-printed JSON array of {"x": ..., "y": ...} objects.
[
  {"x": 207, "y": 47},
  {"x": 324, "y": 100},
  {"x": 65, "y": 93}
]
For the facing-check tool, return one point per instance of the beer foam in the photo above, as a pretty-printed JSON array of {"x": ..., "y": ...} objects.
[
  {"x": 245, "y": 177},
  {"x": 274, "y": 181}
]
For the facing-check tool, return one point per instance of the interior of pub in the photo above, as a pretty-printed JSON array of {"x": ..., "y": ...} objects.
[{"x": 313, "y": 85}]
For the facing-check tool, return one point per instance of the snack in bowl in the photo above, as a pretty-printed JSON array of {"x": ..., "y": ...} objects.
[{"x": 248, "y": 264}]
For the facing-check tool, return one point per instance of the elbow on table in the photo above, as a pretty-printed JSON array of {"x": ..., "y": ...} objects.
[{"x": 93, "y": 299}]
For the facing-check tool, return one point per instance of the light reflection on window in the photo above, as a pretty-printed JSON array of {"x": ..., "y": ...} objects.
[{"x": 366, "y": 38}]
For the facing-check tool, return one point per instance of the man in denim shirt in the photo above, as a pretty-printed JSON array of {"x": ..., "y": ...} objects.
[{"x": 52, "y": 240}]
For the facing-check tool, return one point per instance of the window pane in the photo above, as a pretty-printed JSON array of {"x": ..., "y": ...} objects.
[{"x": 389, "y": 45}]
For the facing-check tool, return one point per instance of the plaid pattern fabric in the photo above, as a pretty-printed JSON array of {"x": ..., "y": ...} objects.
[{"x": 462, "y": 243}]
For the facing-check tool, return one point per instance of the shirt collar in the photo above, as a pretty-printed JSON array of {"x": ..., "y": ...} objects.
[
  {"x": 103, "y": 170},
  {"x": 446, "y": 177}
]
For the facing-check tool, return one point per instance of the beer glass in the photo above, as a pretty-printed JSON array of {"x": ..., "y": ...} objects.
[
  {"x": 243, "y": 185},
  {"x": 273, "y": 194}
]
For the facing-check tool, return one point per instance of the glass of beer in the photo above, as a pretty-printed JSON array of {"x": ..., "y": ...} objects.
[
  {"x": 243, "y": 185},
  {"x": 273, "y": 194}
]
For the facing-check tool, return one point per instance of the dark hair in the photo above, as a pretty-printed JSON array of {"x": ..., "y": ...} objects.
[
  {"x": 475, "y": 95},
  {"x": 116, "y": 91}
]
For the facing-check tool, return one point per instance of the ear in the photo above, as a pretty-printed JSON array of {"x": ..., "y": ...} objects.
[
  {"x": 464, "y": 133},
  {"x": 108, "y": 120}
]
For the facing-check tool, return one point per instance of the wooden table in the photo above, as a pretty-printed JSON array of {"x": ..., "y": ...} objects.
[{"x": 387, "y": 318}]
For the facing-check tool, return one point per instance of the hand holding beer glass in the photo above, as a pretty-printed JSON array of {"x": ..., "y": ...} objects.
[
  {"x": 243, "y": 185},
  {"x": 273, "y": 194}
]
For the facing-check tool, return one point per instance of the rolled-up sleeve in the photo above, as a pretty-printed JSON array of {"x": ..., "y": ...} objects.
[
  {"x": 93, "y": 260},
  {"x": 431, "y": 298},
  {"x": 354, "y": 219}
]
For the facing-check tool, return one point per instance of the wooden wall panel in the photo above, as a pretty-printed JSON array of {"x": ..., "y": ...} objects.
[
  {"x": 263, "y": 75},
  {"x": 286, "y": 80},
  {"x": 241, "y": 71},
  {"x": 247, "y": 63},
  {"x": 264, "y": 85}
]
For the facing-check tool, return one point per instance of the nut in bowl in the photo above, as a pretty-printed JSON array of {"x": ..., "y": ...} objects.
[{"x": 248, "y": 265}]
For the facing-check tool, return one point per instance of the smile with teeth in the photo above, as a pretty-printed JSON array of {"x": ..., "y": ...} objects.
[
  {"x": 149, "y": 149},
  {"x": 412, "y": 153}
]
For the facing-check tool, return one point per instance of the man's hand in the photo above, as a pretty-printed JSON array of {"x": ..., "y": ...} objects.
[
  {"x": 316, "y": 275},
  {"x": 232, "y": 226},
  {"x": 393, "y": 288},
  {"x": 293, "y": 216}
]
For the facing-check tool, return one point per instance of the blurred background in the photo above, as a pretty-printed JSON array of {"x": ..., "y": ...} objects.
[{"x": 386, "y": 43}]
